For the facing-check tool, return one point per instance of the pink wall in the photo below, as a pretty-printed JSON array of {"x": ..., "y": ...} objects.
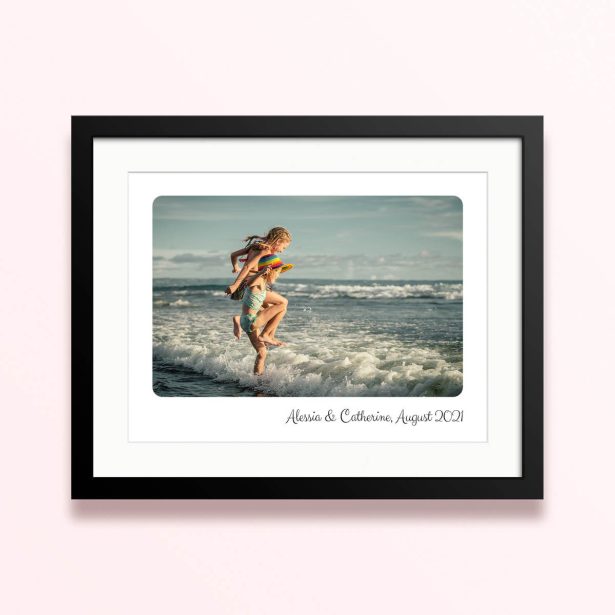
[{"x": 341, "y": 58}]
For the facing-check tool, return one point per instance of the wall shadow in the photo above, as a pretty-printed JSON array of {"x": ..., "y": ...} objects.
[{"x": 309, "y": 510}]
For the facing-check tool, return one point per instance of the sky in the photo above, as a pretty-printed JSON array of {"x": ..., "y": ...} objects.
[{"x": 334, "y": 237}]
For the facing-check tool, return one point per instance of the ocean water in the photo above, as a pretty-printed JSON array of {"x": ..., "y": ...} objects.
[{"x": 344, "y": 338}]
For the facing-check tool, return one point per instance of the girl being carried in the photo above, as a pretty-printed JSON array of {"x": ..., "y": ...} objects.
[{"x": 275, "y": 241}]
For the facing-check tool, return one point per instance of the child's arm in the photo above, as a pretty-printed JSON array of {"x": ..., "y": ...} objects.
[
  {"x": 250, "y": 263},
  {"x": 235, "y": 255},
  {"x": 252, "y": 278}
]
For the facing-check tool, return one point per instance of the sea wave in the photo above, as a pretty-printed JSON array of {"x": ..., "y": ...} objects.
[
  {"x": 182, "y": 289},
  {"x": 448, "y": 291},
  {"x": 437, "y": 290},
  {"x": 310, "y": 370},
  {"x": 199, "y": 291},
  {"x": 179, "y": 303}
]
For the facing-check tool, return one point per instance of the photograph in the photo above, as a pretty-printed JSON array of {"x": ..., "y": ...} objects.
[
  {"x": 310, "y": 313},
  {"x": 288, "y": 322},
  {"x": 307, "y": 296}
]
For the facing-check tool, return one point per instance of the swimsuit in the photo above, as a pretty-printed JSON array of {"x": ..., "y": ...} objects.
[{"x": 253, "y": 301}]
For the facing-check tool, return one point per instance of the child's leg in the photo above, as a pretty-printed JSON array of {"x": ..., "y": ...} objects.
[
  {"x": 272, "y": 298},
  {"x": 236, "y": 326},
  {"x": 269, "y": 330},
  {"x": 261, "y": 353},
  {"x": 270, "y": 317},
  {"x": 267, "y": 335},
  {"x": 271, "y": 327}
]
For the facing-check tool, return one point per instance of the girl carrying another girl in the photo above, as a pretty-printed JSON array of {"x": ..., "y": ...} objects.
[{"x": 275, "y": 241}]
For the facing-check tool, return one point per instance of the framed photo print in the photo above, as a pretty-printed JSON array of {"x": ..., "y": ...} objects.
[{"x": 307, "y": 307}]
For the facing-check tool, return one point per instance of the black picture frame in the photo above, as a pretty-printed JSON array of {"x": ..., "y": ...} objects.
[{"x": 86, "y": 128}]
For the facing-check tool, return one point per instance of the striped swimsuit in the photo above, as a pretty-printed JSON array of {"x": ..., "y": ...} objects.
[{"x": 254, "y": 301}]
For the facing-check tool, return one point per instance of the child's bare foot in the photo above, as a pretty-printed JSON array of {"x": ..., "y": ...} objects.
[
  {"x": 236, "y": 327},
  {"x": 270, "y": 340}
]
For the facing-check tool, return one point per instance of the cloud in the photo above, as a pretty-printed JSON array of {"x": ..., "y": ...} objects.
[
  {"x": 162, "y": 265},
  {"x": 385, "y": 266},
  {"x": 201, "y": 261},
  {"x": 228, "y": 208},
  {"x": 457, "y": 235}
]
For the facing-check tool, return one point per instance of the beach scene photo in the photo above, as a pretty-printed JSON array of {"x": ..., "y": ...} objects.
[{"x": 307, "y": 296}]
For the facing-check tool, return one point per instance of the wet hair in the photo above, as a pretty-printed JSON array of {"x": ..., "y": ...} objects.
[{"x": 278, "y": 234}]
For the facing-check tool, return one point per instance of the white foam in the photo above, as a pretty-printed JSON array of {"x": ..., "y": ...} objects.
[
  {"x": 295, "y": 371},
  {"x": 201, "y": 291},
  {"x": 176, "y": 304},
  {"x": 331, "y": 356},
  {"x": 436, "y": 290}
]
